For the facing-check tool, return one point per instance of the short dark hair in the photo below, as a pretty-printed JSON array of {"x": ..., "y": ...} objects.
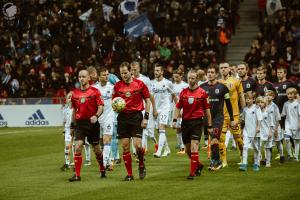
[
  {"x": 125, "y": 64},
  {"x": 282, "y": 68},
  {"x": 159, "y": 65},
  {"x": 213, "y": 66},
  {"x": 102, "y": 69}
]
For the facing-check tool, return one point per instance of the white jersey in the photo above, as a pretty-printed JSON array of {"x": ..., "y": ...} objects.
[
  {"x": 178, "y": 87},
  {"x": 147, "y": 81},
  {"x": 161, "y": 91},
  {"x": 106, "y": 95},
  {"x": 67, "y": 115},
  {"x": 265, "y": 126},
  {"x": 251, "y": 116},
  {"x": 292, "y": 112},
  {"x": 274, "y": 113}
]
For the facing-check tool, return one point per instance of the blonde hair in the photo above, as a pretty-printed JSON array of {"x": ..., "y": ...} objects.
[
  {"x": 260, "y": 99},
  {"x": 271, "y": 92},
  {"x": 292, "y": 90},
  {"x": 250, "y": 94}
]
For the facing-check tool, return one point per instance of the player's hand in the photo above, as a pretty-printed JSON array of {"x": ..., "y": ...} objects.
[
  {"x": 72, "y": 132},
  {"x": 270, "y": 135},
  {"x": 257, "y": 130},
  {"x": 144, "y": 123},
  {"x": 155, "y": 114},
  {"x": 233, "y": 124},
  {"x": 93, "y": 119},
  {"x": 174, "y": 125}
]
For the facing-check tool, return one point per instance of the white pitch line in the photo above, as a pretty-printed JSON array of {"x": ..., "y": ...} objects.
[{"x": 20, "y": 131}]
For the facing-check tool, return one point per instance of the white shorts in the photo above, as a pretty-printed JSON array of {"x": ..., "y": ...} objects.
[
  {"x": 170, "y": 119},
  {"x": 106, "y": 128},
  {"x": 295, "y": 134},
  {"x": 162, "y": 118},
  {"x": 149, "y": 132},
  {"x": 267, "y": 144},
  {"x": 68, "y": 137},
  {"x": 251, "y": 142}
]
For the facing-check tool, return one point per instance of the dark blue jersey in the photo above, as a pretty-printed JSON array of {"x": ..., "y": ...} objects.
[
  {"x": 261, "y": 89},
  {"x": 281, "y": 88},
  {"x": 217, "y": 93},
  {"x": 249, "y": 84}
]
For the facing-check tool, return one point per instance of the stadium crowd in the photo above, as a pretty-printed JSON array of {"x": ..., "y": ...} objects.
[
  {"x": 277, "y": 43},
  {"x": 46, "y": 44}
]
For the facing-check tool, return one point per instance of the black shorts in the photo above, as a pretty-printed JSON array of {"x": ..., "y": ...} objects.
[
  {"x": 191, "y": 130},
  {"x": 84, "y": 128},
  {"x": 129, "y": 125}
]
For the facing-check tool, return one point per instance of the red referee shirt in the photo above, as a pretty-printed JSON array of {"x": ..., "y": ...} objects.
[
  {"x": 193, "y": 103},
  {"x": 86, "y": 102},
  {"x": 133, "y": 93}
]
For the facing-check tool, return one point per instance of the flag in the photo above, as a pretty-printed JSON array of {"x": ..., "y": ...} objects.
[
  {"x": 106, "y": 11},
  {"x": 128, "y": 6},
  {"x": 272, "y": 6},
  {"x": 85, "y": 16},
  {"x": 138, "y": 26}
]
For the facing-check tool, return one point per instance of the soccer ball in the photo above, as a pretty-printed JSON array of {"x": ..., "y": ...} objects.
[{"x": 118, "y": 104}]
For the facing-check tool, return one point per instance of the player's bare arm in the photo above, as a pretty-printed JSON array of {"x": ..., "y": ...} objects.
[
  {"x": 209, "y": 121},
  {"x": 175, "y": 117}
]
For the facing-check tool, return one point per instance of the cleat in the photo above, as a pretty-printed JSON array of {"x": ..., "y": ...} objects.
[
  {"x": 103, "y": 174},
  {"x": 71, "y": 164},
  {"x": 137, "y": 160},
  {"x": 155, "y": 147},
  {"x": 296, "y": 159},
  {"x": 218, "y": 166},
  {"x": 204, "y": 147},
  {"x": 190, "y": 177},
  {"x": 118, "y": 161},
  {"x": 65, "y": 167},
  {"x": 177, "y": 147},
  {"x": 255, "y": 168},
  {"x": 281, "y": 159},
  {"x": 166, "y": 153},
  {"x": 156, "y": 156},
  {"x": 268, "y": 165},
  {"x": 289, "y": 158},
  {"x": 224, "y": 164},
  {"x": 199, "y": 170},
  {"x": 128, "y": 178},
  {"x": 142, "y": 172},
  {"x": 87, "y": 163},
  {"x": 243, "y": 167},
  {"x": 74, "y": 178},
  {"x": 241, "y": 162},
  {"x": 277, "y": 157}
]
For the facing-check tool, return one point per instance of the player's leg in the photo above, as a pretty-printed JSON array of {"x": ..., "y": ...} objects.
[
  {"x": 87, "y": 151},
  {"x": 246, "y": 145},
  {"x": 215, "y": 161},
  {"x": 179, "y": 141},
  {"x": 256, "y": 150},
  {"x": 287, "y": 138},
  {"x": 162, "y": 118},
  {"x": 125, "y": 142},
  {"x": 164, "y": 121},
  {"x": 79, "y": 141},
  {"x": 222, "y": 146},
  {"x": 228, "y": 137},
  {"x": 107, "y": 135},
  {"x": 115, "y": 156},
  {"x": 67, "y": 150},
  {"x": 140, "y": 155},
  {"x": 151, "y": 134},
  {"x": 296, "y": 137},
  {"x": 237, "y": 136},
  {"x": 145, "y": 140}
]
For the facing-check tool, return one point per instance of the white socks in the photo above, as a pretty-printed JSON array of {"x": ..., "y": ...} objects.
[
  {"x": 161, "y": 141},
  {"x": 106, "y": 153}
]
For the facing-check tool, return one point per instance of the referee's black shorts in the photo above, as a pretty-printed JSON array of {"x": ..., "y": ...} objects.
[
  {"x": 129, "y": 125},
  {"x": 191, "y": 130},
  {"x": 84, "y": 128}
]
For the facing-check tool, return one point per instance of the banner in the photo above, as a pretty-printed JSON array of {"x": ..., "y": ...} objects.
[
  {"x": 31, "y": 115},
  {"x": 138, "y": 26},
  {"x": 272, "y": 6}
]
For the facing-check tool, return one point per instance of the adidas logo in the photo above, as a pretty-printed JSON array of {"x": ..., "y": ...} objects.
[
  {"x": 37, "y": 118},
  {"x": 2, "y": 121}
]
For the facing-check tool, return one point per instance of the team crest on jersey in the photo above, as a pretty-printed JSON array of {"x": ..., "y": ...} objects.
[
  {"x": 265, "y": 89},
  {"x": 248, "y": 85},
  {"x": 82, "y": 100},
  {"x": 127, "y": 94},
  {"x": 108, "y": 127},
  {"x": 284, "y": 86},
  {"x": 217, "y": 91},
  {"x": 191, "y": 100}
]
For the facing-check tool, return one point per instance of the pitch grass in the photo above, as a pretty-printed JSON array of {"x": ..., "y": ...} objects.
[{"x": 29, "y": 169}]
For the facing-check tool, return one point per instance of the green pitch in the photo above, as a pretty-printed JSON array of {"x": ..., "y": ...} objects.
[{"x": 30, "y": 159}]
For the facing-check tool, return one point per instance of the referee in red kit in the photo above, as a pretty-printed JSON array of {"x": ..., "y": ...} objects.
[
  {"x": 193, "y": 101},
  {"x": 88, "y": 106},
  {"x": 131, "y": 121}
]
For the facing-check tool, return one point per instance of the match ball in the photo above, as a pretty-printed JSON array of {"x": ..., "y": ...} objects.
[{"x": 118, "y": 104}]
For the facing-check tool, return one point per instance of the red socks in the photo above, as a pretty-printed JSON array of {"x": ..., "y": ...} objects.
[
  {"x": 77, "y": 162},
  {"x": 194, "y": 163},
  {"x": 127, "y": 161}
]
